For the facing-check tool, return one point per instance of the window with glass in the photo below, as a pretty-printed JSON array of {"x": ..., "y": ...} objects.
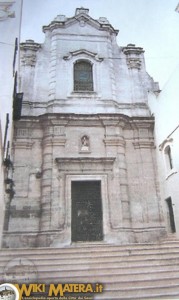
[{"x": 83, "y": 76}]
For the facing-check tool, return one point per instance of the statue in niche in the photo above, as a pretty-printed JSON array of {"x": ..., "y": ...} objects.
[{"x": 85, "y": 143}]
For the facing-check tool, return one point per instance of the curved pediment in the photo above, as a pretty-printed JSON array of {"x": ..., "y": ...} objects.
[{"x": 83, "y": 52}]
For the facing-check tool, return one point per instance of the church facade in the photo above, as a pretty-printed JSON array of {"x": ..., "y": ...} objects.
[{"x": 84, "y": 154}]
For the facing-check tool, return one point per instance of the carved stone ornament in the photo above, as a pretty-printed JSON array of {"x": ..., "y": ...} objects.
[
  {"x": 5, "y": 12},
  {"x": 82, "y": 10},
  {"x": 83, "y": 52},
  {"x": 82, "y": 22},
  {"x": 133, "y": 56},
  {"x": 134, "y": 63},
  {"x": 29, "y": 51}
]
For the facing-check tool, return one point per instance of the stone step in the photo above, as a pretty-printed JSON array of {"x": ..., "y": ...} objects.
[
  {"x": 109, "y": 267},
  {"x": 110, "y": 262},
  {"x": 73, "y": 266},
  {"x": 116, "y": 284},
  {"x": 96, "y": 276},
  {"x": 133, "y": 261},
  {"x": 137, "y": 289},
  {"x": 142, "y": 292},
  {"x": 140, "y": 248},
  {"x": 139, "y": 271},
  {"x": 164, "y": 292},
  {"x": 105, "y": 258},
  {"x": 102, "y": 244},
  {"x": 147, "y": 248}
]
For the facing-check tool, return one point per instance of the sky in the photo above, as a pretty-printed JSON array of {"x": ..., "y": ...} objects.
[{"x": 150, "y": 24}]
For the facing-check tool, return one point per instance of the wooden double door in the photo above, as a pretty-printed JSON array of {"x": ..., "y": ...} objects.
[{"x": 87, "y": 223}]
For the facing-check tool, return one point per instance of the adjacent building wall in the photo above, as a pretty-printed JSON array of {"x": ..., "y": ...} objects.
[
  {"x": 165, "y": 109},
  {"x": 10, "y": 22}
]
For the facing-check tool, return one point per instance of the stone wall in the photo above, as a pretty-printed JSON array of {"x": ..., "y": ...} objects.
[
  {"x": 48, "y": 156},
  {"x": 10, "y": 20},
  {"x": 165, "y": 109}
]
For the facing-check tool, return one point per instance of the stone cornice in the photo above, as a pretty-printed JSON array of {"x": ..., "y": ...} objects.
[
  {"x": 114, "y": 141},
  {"x": 143, "y": 144},
  {"x": 55, "y": 141},
  {"x": 118, "y": 108},
  {"x": 141, "y": 123},
  {"x": 30, "y": 45},
  {"x": 62, "y": 160},
  {"x": 131, "y": 49},
  {"x": 70, "y": 164},
  {"x": 62, "y": 119},
  {"x": 20, "y": 144}
]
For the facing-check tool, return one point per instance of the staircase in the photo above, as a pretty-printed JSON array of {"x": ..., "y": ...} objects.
[{"x": 137, "y": 271}]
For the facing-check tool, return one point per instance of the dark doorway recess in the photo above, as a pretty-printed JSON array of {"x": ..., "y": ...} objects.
[
  {"x": 171, "y": 214},
  {"x": 86, "y": 211}
]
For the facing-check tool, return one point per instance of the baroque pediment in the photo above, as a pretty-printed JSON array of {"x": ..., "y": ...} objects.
[
  {"x": 82, "y": 52},
  {"x": 82, "y": 18}
]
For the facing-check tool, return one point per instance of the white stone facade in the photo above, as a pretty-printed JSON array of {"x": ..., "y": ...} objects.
[
  {"x": 114, "y": 120},
  {"x": 10, "y": 21},
  {"x": 166, "y": 110}
]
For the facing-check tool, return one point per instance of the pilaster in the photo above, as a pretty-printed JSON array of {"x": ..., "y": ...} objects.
[
  {"x": 148, "y": 202},
  {"x": 53, "y": 68},
  {"x": 52, "y": 202},
  {"x": 119, "y": 199},
  {"x": 58, "y": 199},
  {"x": 112, "y": 70},
  {"x": 29, "y": 51},
  {"x": 135, "y": 63}
]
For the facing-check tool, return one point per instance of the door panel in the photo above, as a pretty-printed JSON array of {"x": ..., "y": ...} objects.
[{"x": 86, "y": 211}]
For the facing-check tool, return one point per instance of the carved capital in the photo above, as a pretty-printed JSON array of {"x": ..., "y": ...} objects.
[
  {"x": 131, "y": 49},
  {"x": 29, "y": 52},
  {"x": 134, "y": 63},
  {"x": 133, "y": 56},
  {"x": 114, "y": 142},
  {"x": 144, "y": 144}
]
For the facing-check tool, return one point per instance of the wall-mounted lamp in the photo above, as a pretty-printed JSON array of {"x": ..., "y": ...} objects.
[{"x": 38, "y": 174}]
